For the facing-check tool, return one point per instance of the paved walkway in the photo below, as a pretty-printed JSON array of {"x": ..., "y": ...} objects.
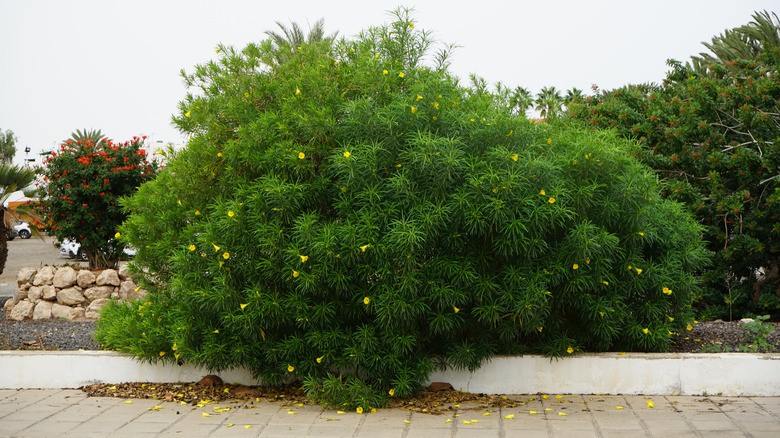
[{"x": 69, "y": 413}]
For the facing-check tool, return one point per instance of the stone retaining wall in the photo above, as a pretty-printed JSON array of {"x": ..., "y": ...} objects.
[{"x": 52, "y": 292}]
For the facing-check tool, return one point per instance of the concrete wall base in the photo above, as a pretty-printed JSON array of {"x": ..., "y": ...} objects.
[{"x": 730, "y": 374}]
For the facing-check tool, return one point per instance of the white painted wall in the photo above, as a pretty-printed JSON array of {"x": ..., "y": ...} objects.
[{"x": 732, "y": 374}]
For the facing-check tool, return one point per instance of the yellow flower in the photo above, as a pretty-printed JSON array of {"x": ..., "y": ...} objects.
[
  {"x": 601, "y": 314},
  {"x": 246, "y": 94},
  {"x": 650, "y": 404},
  {"x": 301, "y": 155},
  {"x": 540, "y": 328},
  {"x": 347, "y": 154},
  {"x": 391, "y": 392},
  {"x": 575, "y": 266},
  {"x": 188, "y": 114},
  {"x": 364, "y": 247},
  {"x": 532, "y": 412},
  {"x": 243, "y": 306},
  {"x": 117, "y": 235},
  {"x": 206, "y": 414},
  {"x": 689, "y": 327},
  {"x": 366, "y": 300},
  {"x": 384, "y": 72},
  {"x": 219, "y": 154},
  {"x": 376, "y": 55},
  {"x": 542, "y": 192},
  {"x": 570, "y": 350},
  {"x": 175, "y": 347},
  {"x": 296, "y": 274},
  {"x": 515, "y": 157},
  {"x": 290, "y": 368},
  {"x": 226, "y": 255},
  {"x": 215, "y": 331},
  {"x": 192, "y": 247},
  {"x": 436, "y": 105},
  {"x": 160, "y": 151},
  {"x": 407, "y": 422},
  {"x": 197, "y": 212},
  {"x": 401, "y": 75},
  {"x": 667, "y": 291},
  {"x": 562, "y": 414},
  {"x": 419, "y": 97},
  {"x": 162, "y": 353},
  {"x": 411, "y": 25},
  {"x": 455, "y": 309},
  {"x": 640, "y": 233},
  {"x": 646, "y": 330},
  {"x": 230, "y": 213},
  {"x": 216, "y": 248},
  {"x": 638, "y": 271},
  {"x": 606, "y": 283},
  {"x": 128, "y": 402},
  {"x": 359, "y": 410},
  {"x": 671, "y": 319},
  {"x": 303, "y": 258},
  {"x": 414, "y": 109},
  {"x": 319, "y": 359},
  {"x": 297, "y": 91},
  {"x": 549, "y": 140},
  {"x": 619, "y": 407},
  {"x": 248, "y": 426},
  {"x": 509, "y": 417},
  {"x": 551, "y": 200}
]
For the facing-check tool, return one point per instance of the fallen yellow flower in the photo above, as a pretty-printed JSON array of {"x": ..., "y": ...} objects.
[
  {"x": 509, "y": 417},
  {"x": 128, "y": 402},
  {"x": 562, "y": 414},
  {"x": 650, "y": 404}
]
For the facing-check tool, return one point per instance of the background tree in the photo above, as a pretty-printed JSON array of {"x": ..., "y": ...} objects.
[
  {"x": 549, "y": 102},
  {"x": 83, "y": 136},
  {"x": 7, "y": 146},
  {"x": 12, "y": 179},
  {"x": 84, "y": 181},
  {"x": 713, "y": 133},
  {"x": 353, "y": 217}
]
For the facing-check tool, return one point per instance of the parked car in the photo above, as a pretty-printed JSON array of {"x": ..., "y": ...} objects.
[
  {"x": 10, "y": 234},
  {"x": 23, "y": 230},
  {"x": 71, "y": 249}
]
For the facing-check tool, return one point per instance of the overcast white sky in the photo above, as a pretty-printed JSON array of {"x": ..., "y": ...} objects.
[{"x": 114, "y": 66}]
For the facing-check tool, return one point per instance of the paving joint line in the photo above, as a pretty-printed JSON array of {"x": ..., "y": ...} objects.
[
  {"x": 592, "y": 416},
  {"x": 638, "y": 418},
  {"x": 732, "y": 420}
]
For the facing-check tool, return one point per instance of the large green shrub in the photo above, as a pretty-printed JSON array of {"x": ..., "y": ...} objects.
[
  {"x": 354, "y": 217},
  {"x": 712, "y": 131}
]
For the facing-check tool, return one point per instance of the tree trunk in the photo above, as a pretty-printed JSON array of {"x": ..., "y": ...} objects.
[
  {"x": 100, "y": 260},
  {"x": 3, "y": 241}
]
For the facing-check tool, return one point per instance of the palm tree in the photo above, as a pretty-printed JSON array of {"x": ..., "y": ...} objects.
[
  {"x": 744, "y": 42},
  {"x": 12, "y": 178},
  {"x": 520, "y": 100},
  {"x": 549, "y": 102},
  {"x": 285, "y": 44},
  {"x": 84, "y": 136}
]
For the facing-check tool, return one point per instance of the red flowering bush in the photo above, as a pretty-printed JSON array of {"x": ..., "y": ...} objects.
[{"x": 84, "y": 182}]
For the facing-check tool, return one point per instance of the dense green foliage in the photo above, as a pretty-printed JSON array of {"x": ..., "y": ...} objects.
[
  {"x": 12, "y": 179},
  {"x": 84, "y": 181},
  {"x": 353, "y": 217},
  {"x": 714, "y": 134}
]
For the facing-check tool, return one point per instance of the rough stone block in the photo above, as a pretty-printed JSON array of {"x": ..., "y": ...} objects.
[
  {"x": 22, "y": 310},
  {"x": 85, "y": 278},
  {"x": 93, "y": 310},
  {"x": 44, "y": 276},
  {"x": 42, "y": 310},
  {"x": 60, "y": 311},
  {"x": 25, "y": 275},
  {"x": 70, "y": 297},
  {"x": 98, "y": 292},
  {"x": 127, "y": 290},
  {"x": 76, "y": 313},
  {"x": 34, "y": 294},
  {"x": 108, "y": 277},
  {"x": 49, "y": 293},
  {"x": 65, "y": 277}
]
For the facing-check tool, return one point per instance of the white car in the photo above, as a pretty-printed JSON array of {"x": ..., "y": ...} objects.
[
  {"x": 23, "y": 230},
  {"x": 71, "y": 249}
]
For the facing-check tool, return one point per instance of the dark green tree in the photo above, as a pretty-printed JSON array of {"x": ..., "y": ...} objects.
[
  {"x": 7, "y": 146},
  {"x": 713, "y": 134},
  {"x": 549, "y": 102},
  {"x": 354, "y": 217}
]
